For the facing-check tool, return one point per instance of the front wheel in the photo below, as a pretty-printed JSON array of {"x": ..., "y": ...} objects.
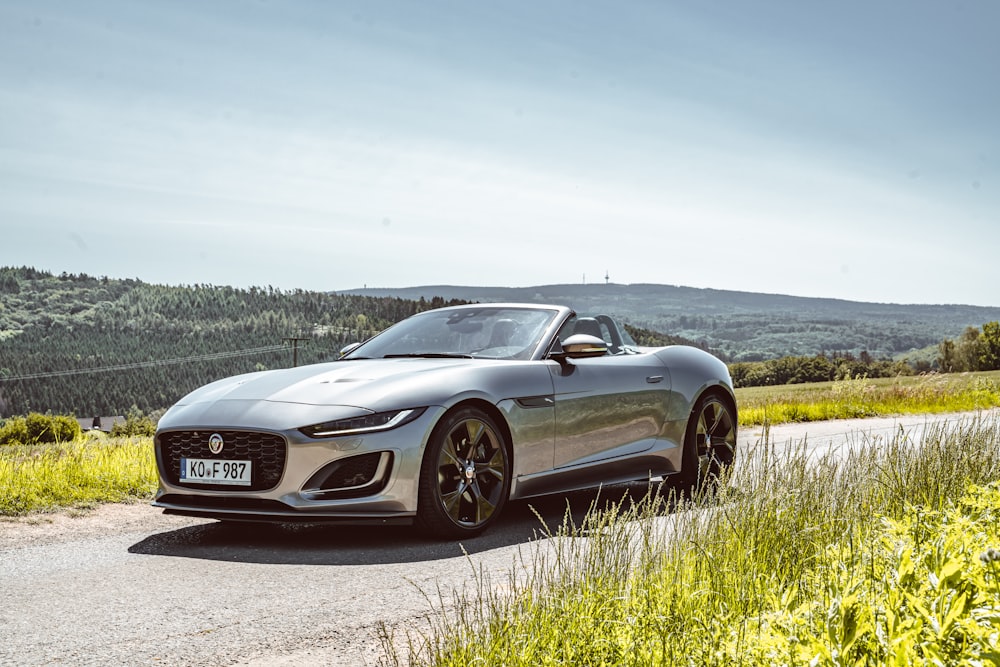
[
  {"x": 465, "y": 476},
  {"x": 709, "y": 443}
]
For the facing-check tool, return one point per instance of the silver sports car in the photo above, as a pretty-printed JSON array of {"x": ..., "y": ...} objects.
[{"x": 443, "y": 418}]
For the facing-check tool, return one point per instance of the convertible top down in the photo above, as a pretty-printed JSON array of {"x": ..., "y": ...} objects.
[{"x": 443, "y": 418}]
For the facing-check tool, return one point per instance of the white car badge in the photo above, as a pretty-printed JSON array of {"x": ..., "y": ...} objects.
[{"x": 215, "y": 443}]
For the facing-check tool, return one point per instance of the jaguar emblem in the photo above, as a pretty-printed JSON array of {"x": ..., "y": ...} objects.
[{"x": 215, "y": 443}]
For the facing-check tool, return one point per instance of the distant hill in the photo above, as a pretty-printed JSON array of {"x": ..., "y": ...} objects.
[{"x": 741, "y": 326}]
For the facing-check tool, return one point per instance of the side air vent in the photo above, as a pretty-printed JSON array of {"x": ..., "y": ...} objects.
[{"x": 352, "y": 477}]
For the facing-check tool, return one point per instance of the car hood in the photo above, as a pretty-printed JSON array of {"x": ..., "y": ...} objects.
[
  {"x": 295, "y": 397},
  {"x": 336, "y": 383}
]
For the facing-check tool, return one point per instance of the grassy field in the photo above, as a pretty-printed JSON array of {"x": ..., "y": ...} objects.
[
  {"x": 888, "y": 557},
  {"x": 862, "y": 397},
  {"x": 40, "y": 478}
]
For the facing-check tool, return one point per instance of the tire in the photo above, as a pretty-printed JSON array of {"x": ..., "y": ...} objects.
[
  {"x": 709, "y": 444},
  {"x": 465, "y": 476}
]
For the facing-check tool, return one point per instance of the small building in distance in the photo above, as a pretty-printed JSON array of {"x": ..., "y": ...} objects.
[{"x": 104, "y": 424}]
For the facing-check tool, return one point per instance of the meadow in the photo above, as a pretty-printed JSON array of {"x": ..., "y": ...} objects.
[{"x": 864, "y": 397}]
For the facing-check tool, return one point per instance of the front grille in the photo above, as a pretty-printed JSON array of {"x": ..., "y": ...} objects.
[{"x": 266, "y": 450}]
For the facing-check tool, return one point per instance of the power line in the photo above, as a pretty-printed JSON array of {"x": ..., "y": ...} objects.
[
  {"x": 148, "y": 364},
  {"x": 294, "y": 340}
]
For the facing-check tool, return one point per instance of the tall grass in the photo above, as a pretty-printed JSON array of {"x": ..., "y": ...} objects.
[
  {"x": 879, "y": 556},
  {"x": 82, "y": 473},
  {"x": 863, "y": 397}
]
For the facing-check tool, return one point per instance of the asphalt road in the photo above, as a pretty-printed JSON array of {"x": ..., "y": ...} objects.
[{"x": 127, "y": 585}]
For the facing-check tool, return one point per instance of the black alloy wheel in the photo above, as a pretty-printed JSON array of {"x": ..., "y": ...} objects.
[
  {"x": 465, "y": 477},
  {"x": 710, "y": 443}
]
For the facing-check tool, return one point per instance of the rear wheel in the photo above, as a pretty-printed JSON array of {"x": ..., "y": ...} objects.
[
  {"x": 465, "y": 476},
  {"x": 709, "y": 443}
]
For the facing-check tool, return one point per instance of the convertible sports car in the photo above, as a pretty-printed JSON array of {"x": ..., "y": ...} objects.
[{"x": 443, "y": 418}]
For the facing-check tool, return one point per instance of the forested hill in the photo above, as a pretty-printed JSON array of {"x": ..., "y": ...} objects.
[
  {"x": 99, "y": 346},
  {"x": 743, "y": 326}
]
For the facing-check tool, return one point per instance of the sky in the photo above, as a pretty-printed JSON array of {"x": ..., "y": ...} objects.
[{"x": 844, "y": 149}]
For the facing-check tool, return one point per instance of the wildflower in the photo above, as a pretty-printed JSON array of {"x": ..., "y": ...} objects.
[{"x": 990, "y": 556}]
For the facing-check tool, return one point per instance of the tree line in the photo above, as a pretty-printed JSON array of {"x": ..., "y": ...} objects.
[
  {"x": 77, "y": 344},
  {"x": 818, "y": 368},
  {"x": 974, "y": 350}
]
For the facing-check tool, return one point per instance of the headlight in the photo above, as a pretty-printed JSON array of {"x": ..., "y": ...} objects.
[{"x": 379, "y": 421}]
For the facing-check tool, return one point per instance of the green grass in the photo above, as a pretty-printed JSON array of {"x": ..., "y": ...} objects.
[
  {"x": 863, "y": 397},
  {"x": 83, "y": 473},
  {"x": 887, "y": 557}
]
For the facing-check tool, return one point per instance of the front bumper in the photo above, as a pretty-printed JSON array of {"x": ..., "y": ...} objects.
[{"x": 371, "y": 478}]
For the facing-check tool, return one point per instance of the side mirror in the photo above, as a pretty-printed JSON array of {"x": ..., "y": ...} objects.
[
  {"x": 578, "y": 346},
  {"x": 344, "y": 351}
]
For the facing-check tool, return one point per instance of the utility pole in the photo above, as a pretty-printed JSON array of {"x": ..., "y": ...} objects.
[{"x": 295, "y": 348}]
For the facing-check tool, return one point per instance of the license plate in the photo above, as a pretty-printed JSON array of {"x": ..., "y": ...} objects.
[{"x": 215, "y": 471}]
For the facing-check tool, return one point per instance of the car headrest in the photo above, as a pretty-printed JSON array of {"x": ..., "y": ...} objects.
[{"x": 589, "y": 326}]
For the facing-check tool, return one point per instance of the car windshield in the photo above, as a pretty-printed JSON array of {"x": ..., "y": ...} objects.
[{"x": 492, "y": 332}]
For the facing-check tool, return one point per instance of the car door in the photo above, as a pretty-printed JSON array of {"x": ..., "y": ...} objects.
[{"x": 608, "y": 406}]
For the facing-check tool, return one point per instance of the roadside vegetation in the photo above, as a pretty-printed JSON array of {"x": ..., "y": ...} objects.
[
  {"x": 889, "y": 556},
  {"x": 48, "y": 463},
  {"x": 79, "y": 474}
]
